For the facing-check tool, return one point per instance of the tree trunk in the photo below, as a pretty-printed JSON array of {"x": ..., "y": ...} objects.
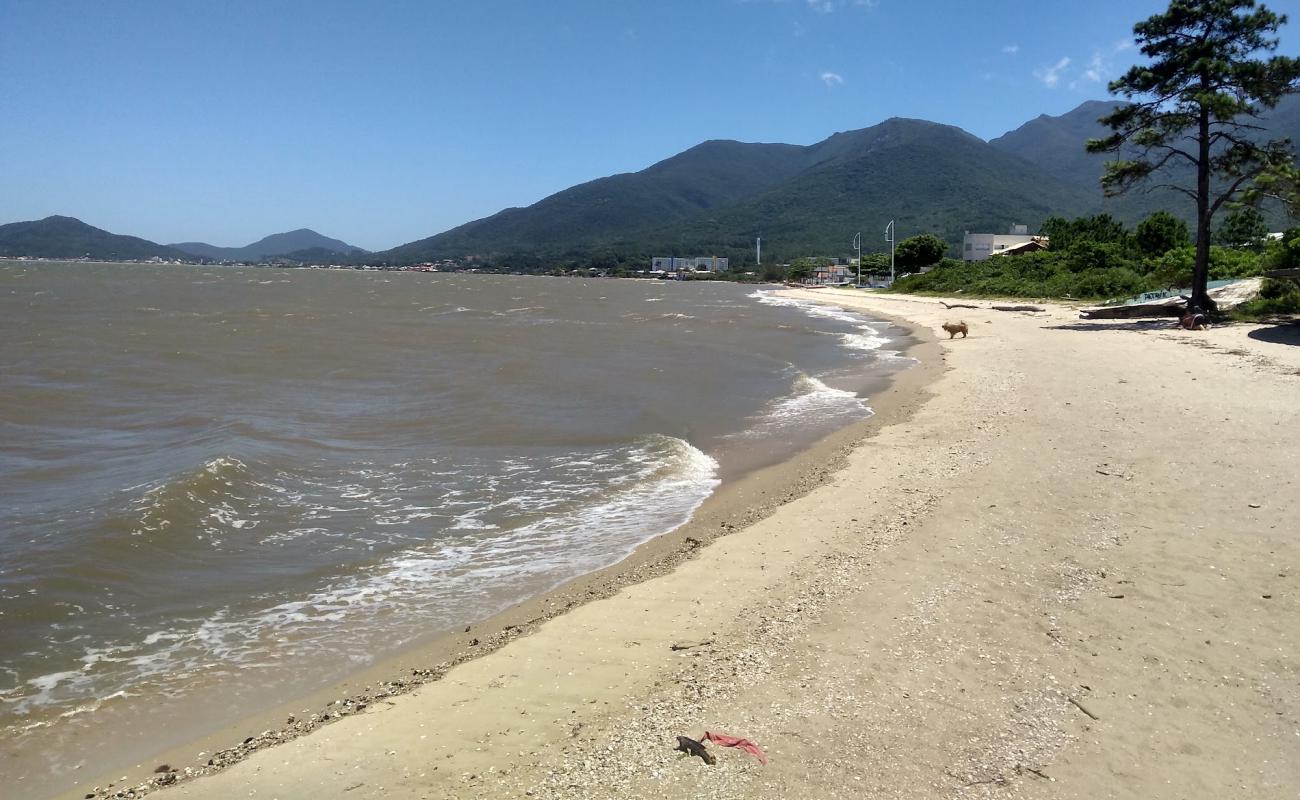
[{"x": 1201, "y": 272}]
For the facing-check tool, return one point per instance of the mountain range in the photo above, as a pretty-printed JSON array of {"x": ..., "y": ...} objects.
[{"x": 717, "y": 197}]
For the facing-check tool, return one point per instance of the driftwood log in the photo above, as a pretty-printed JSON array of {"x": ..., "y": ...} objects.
[{"x": 995, "y": 308}]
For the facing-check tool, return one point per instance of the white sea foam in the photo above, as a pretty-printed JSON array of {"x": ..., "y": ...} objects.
[
  {"x": 813, "y": 399},
  {"x": 868, "y": 338},
  {"x": 811, "y": 403},
  {"x": 558, "y": 515}
]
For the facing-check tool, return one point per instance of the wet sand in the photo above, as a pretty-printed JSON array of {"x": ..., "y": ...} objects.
[{"x": 1015, "y": 580}]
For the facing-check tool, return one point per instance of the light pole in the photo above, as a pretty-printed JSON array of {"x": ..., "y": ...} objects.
[
  {"x": 857, "y": 242},
  {"x": 889, "y": 237}
]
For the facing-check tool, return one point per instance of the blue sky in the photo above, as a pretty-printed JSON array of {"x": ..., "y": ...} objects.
[{"x": 384, "y": 122}]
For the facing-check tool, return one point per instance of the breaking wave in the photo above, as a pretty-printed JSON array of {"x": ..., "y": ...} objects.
[{"x": 513, "y": 528}]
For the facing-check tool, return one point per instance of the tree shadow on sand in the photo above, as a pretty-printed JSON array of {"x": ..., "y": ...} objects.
[{"x": 1283, "y": 333}]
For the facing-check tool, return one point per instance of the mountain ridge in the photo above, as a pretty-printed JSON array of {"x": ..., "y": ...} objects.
[
  {"x": 276, "y": 244},
  {"x": 803, "y": 197}
]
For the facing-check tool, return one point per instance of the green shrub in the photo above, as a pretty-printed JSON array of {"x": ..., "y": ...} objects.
[
  {"x": 1045, "y": 274},
  {"x": 1275, "y": 297},
  {"x": 1108, "y": 283},
  {"x": 1276, "y": 289},
  {"x": 1174, "y": 268},
  {"x": 1227, "y": 262}
]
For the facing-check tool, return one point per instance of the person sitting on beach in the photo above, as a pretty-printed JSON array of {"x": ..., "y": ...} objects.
[{"x": 1193, "y": 320}]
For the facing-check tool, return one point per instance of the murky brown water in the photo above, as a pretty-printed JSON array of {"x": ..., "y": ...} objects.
[{"x": 220, "y": 487}]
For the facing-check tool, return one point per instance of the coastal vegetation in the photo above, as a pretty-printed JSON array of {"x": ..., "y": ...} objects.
[{"x": 1097, "y": 257}]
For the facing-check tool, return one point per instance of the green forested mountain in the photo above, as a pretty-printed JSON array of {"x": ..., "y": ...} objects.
[
  {"x": 714, "y": 199},
  {"x": 1055, "y": 144},
  {"x": 925, "y": 176},
  {"x": 66, "y": 237},
  {"x": 277, "y": 244},
  {"x": 618, "y": 208}
]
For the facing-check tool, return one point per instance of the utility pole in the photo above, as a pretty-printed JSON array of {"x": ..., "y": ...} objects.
[
  {"x": 889, "y": 237},
  {"x": 857, "y": 242}
]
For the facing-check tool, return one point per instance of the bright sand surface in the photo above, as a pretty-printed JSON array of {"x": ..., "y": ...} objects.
[{"x": 1071, "y": 571}]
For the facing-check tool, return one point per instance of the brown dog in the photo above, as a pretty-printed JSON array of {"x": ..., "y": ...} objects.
[{"x": 954, "y": 328}]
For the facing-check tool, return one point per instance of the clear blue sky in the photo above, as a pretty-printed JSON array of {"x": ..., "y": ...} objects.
[{"x": 384, "y": 122}]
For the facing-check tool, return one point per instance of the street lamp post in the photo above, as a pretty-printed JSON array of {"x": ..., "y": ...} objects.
[
  {"x": 857, "y": 242},
  {"x": 889, "y": 237}
]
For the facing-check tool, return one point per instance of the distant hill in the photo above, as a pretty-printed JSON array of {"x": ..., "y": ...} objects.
[
  {"x": 277, "y": 244},
  {"x": 322, "y": 255},
  {"x": 67, "y": 237}
]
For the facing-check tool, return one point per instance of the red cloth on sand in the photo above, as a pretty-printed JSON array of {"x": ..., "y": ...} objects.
[{"x": 735, "y": 741}]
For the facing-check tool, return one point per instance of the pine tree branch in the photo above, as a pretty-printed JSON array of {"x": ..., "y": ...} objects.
[
  {"x": 1232, "y": 189},
  {"x": 1181, "y": 189}
]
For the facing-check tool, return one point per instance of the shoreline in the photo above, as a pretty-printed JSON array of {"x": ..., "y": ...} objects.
[
  {"x": 1011, "y": 592},
  {"x": 736, "y": 504}
]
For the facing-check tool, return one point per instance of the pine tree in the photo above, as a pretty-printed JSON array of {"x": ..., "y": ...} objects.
[{"x": 1210, "y": 75}]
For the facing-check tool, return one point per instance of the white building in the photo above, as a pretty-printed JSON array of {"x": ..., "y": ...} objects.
[
  {"x": 979, "y": 246},
  {"x": 692, "y": 264}
]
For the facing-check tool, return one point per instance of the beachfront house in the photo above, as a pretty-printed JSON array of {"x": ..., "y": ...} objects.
[
  {"x": 690, "y": 264},
  {"x": 1038, "y": 243},
  {"x": 830, "y": 274},
  {"x": 980, "y": 246}
]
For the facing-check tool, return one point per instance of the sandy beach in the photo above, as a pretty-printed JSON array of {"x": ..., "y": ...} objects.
[{"x": 1060, "y": 562}]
